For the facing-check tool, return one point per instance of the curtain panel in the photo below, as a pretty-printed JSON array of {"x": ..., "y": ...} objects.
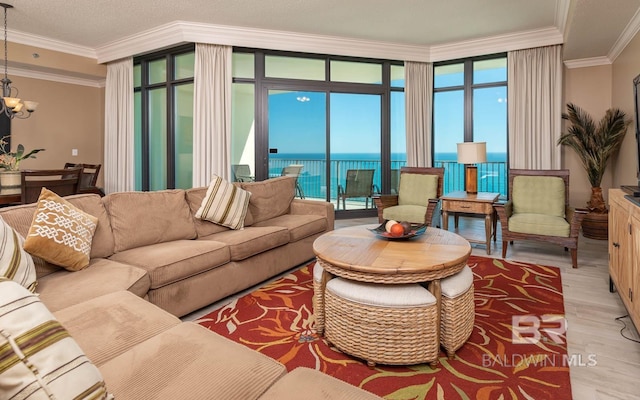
[
  {"x": 419, "y": 112},
  {"x": 119, "y": 165},
  {"x": 212, "y": 113},
  {"x": 535, "y": 107}
]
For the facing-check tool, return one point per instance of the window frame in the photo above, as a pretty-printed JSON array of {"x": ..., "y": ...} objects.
[{"x": 169, "y": 84}]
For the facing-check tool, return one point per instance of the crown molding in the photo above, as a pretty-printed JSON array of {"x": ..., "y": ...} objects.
[
  {"x": 497, "y": 44},
  {"x": 588, "y": 62},
  {"x": 46, "y": 43},
  {"x": 625, "y": 37},
  {"x": 56, "y": 77},
  {"x": 180, "y": 32}
]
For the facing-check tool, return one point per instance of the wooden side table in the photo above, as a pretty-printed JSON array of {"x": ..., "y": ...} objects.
[{"x": 480, "y": 203}]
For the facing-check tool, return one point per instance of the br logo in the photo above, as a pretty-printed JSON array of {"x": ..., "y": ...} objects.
[{"x": 531, "y": 329}]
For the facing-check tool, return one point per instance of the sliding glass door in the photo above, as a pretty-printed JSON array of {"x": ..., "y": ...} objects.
[
  {"x": 297, "y": 139},
  {"x": 355, "y": 172}
]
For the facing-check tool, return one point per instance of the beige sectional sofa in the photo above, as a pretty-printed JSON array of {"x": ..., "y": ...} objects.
[
  {"x": 151, "y": 262},
  {"x": 150, "y": 244}
]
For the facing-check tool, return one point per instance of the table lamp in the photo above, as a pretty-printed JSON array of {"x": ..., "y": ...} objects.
[{"x": 471, "y": 153}]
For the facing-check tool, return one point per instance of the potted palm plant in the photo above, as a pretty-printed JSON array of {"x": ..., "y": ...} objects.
[{"x": 594, "y": 144}]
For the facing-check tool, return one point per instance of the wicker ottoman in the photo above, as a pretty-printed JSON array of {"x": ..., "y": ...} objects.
[
  {"x": 458, "y": 310},
  {"x": 318, "y": 298},
  {"x": 386, "y": 324}
]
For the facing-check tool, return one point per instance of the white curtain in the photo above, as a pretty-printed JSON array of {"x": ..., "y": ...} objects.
[
  {"x": 119, "y": 168},
  {"x": 211, "y": 113},
  {"x": 535, "y": 107},
  {"x": 418, "y": 112}
]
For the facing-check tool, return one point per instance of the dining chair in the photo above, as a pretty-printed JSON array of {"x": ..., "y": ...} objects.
[
  {"x": 63, "y": 182},
  {"x": 88, "y": 177}
]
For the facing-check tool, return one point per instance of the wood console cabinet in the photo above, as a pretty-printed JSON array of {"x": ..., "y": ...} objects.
[{"x": 624, "y": 251}]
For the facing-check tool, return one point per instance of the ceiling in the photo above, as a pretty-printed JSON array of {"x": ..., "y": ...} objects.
[{"x": 589, "y": 28}]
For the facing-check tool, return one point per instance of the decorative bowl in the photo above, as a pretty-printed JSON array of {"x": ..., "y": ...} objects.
[{"x": 416, "y": 230}]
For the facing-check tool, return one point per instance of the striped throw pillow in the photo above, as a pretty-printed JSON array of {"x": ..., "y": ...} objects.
[
  {"x": 39, "y": 358},
  {"x": 224, "y": 204},
  {"x": 15, "y": 263}
]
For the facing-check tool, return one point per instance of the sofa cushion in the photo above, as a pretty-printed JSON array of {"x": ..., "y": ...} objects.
[
  {"x": 224, "y": 204},
  {"x": 410, "y": 213},
  {"x": 539, "y": 224},
  {"x": 39, "y": 357},
  {"x": 64, "y": 288},
  {"x": 204, "y": 228},
  {"x": 316, "y": 386},
  {"x": 189, "y": 359},
  {"x": 169, "y": 262},
  {"x": 102, "y": 245},
  {"x": 299, "y": 226},
  {"x": 109, "y": 325},
  {"x": 20, "y": 218},
  {"x": 15, "y": 263},
  {"x": 251, "y": 240},
  {"x": 60, "y": 232},
  {"x": 417, "y": 189},
  {"x": 270, "y": 198},
  {"x": 538, "y": 195},
  {"x": 144, "y": 218}
]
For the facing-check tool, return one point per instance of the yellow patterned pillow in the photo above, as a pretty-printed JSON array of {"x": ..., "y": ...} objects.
[
  {"x": 40, "y": 360},
  {"x": 60, "y": 233}
]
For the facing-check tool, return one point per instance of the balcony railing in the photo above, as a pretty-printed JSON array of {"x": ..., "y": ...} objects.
[{"x": 492, "y": 176}]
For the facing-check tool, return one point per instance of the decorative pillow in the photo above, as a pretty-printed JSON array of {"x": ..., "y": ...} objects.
[
  {"x": 15, "y": 263},
  {"x": 224, "y": 204},
  {"x": 60, "y": 232},
  {"x": 39, "y": 357}
]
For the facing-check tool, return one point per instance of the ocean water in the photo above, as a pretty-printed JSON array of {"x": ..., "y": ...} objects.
[{"x": 491, "y": 175}]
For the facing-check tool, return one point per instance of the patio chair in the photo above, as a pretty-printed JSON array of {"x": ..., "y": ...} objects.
[
  {"x": 242, "y": 173},
  {"x": 538, "y": 209},
  {"x": 359, "y": 184},
  {"x": 294, "y": 170},
  {"x": 417, "y": 200}
]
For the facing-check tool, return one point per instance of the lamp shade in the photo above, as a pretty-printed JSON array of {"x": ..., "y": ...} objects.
[{"x": 472, "y": 152}]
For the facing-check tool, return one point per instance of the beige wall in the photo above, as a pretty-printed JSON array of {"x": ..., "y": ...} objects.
[
  {"x": 590, "y": 89},
  {"x": 69, "y": 116},
  {"x": 625, "y": 68}
]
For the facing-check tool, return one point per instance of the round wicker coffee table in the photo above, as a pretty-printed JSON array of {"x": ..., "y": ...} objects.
[{"x": 357, "y": 254}]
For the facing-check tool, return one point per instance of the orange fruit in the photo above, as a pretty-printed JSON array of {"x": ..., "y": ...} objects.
[{"x": 396, "y": 230}]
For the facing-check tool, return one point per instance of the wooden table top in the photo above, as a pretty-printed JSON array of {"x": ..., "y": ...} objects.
[
  {"x": 484, "y": 197},
  {"x": 358, "y": 249}
]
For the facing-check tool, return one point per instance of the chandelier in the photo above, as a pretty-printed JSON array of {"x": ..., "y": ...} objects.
[{"x": 11, "y": 105}]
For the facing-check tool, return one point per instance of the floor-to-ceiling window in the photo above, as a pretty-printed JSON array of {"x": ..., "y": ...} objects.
[
  {"x": 338, "y": 120},
  {"x": 470, "y": 105},
  {"x": 163, "y": 118}
]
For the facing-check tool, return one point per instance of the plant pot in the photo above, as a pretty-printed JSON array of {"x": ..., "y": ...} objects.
[
  {"x": 10, "y": 182},
  {"x": 596, "y": 226}
]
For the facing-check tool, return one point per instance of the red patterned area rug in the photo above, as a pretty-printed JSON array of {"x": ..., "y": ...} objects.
[{"x": 498, "y": 361}]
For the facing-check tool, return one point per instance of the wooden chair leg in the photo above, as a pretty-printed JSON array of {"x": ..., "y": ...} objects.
[
  {"x": 504, "y": 249},
  {"x": 574, "y": 258}
]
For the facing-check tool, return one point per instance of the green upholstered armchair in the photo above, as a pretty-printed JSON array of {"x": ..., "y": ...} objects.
[
  {"x": 538, "y": 209},
  {"x": 418, "y": 197}
]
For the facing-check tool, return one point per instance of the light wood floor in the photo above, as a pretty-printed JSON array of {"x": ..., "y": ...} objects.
[{"x": 591, "y": 311}]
